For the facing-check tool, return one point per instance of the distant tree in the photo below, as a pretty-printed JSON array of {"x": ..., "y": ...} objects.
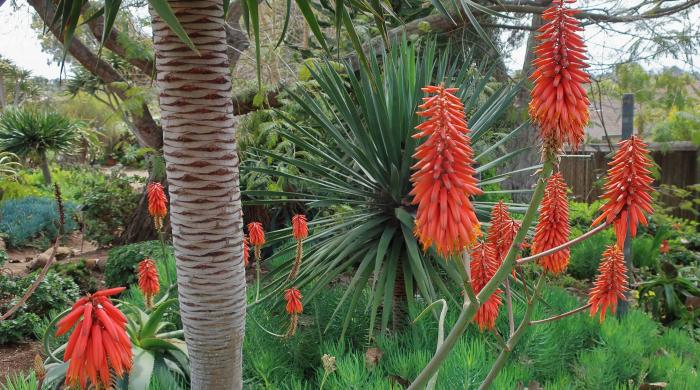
[{"x": 30, "y": 133}]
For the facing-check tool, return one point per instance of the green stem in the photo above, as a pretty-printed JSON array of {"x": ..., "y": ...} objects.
[
  {"x": 171, "y": 335},
  {"x": 502, "y": 273},
  {"x": 323, "y": 381},
  {"x": 169, "y": 280},
  {"x": 513, "y": 340},
  {"x": 257, "y": 273}
]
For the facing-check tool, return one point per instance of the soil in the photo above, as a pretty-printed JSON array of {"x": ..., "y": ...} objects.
[
  {"x": 18, "y": 357},
  {"x": 19, "y": 259}
]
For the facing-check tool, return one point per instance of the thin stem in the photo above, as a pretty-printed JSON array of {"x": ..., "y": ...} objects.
[
  {"x": 469, "y": 310},
  {"x": 509, "y": 307},
  {"x": 469, "y": 295},
  {"x": 565, "y": 245},
  {"x": 513, "y": 340},
  {"x": 257, "y": 272},
  {"x": 168, "y": 279},
  {"x": 562, "y": 315}
]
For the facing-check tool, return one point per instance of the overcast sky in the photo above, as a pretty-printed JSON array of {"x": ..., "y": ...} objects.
[{"x": 19, "y": 43}]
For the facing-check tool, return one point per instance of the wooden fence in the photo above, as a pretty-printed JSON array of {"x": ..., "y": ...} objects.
[{"x": 584, "y": 170}]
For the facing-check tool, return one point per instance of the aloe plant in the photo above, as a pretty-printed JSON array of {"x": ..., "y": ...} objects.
[
  {"x": 360, "y": 136},
  {"x": 159, "y": 355}
]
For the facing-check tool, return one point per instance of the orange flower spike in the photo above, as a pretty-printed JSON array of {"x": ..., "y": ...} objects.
[
  {"x": 483, "y": 267},
  {"x": 444, "y": 178},
  {"x": 553, "y": 225},
  {"x": 611, "y": 283},
  {"x": 293, "y": 298},
  {"x": 664, "y": 248},
  {"x": 98, "y": 343},
  {"x": 148, "y": 280},
  {"x": 157, "y": 203},
  {"x": 246, "y": 251},
  {"x": 628, "y": 189},
  {"x": 502, "y": 231},
  {"x": 256, "y": 234},
  {"x": 559, "y": 103},
  {"x": 300, "y": 228},
  {"x": 294, "y": 308}
]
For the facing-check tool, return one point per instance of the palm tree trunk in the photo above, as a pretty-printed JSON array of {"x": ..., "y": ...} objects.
[
  {"x": 202, "y": 172},
  {"x": 44, "y": 163}
]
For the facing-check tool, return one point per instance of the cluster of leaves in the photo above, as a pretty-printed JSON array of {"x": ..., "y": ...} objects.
[
  {"x": 79, "y": 272},
  {"x": 31, "y": 219},
  {"x": 107, "y": 207},
  {"x": 576, "y": 352},
  {"x": 55, "y": 292},
  {"x": 122, "y": 261}
]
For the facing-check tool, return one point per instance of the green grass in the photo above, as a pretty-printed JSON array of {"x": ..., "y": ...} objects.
[{"x": 575, "y": 353}]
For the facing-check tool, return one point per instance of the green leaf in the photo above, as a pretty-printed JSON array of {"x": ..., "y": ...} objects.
[
  {"x": 307, "y": 12},
  {"x": 142, "y": 369},
  {"x": 151, "y": 326},
  {"x": 111, "y": 8},
  {"x": 166, "y": 13}
]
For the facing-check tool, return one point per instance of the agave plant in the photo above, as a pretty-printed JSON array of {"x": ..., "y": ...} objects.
[
  {"x": 360, "y": 176},
  {"x": 32, "y": 134}
]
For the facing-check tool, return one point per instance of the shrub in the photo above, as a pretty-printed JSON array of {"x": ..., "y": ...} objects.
[
  {"x": 54, "y": 292},
  {"x": 107, "y": 207},
  {"x": 122, "y": 261},
  {"x": 32, "y": 218},
  {"x": 585, "y": 256},
  {"x": 3, "y": 257},
  {"x": 79, "y": 273},
  {"x": 18, "y": 328}
]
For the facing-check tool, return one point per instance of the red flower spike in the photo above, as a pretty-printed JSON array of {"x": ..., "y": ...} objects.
[
  {"x": 444, "y": 178},
  {"x": 559, "y": 103},
  {"x": 483, "y": 267},
  {"x": 157, "y": 203},
  {"x": 246, "y": 251},
  {"x": 299, "y": 227},
  {"x": 293, "y": 298},
  {"x": 148, "y": 280},
  {"x": 664, "y": 248},
  {"x": 611, "y": 283},
  {"x": 98, "y": 343},
  {"x": 502, "y": 231},
  {"x": 628, "y": 189},
  {"x": 553, "y": 225},
  {"x": 256, "y": 234}
]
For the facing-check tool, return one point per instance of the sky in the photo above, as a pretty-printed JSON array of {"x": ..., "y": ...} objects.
[{"x": 19, "y": 42}]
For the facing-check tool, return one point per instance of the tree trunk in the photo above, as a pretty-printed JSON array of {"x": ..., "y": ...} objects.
[
  {"x": 202, "y": 171},
  {"x": 45, "y": 170},
  {"x": 529, "y": 135}
]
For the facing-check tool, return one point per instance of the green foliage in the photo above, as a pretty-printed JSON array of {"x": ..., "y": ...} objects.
[
  {"x": 576, "y": 352},
  {"x": 585, "y": 256},
  {"x": 32, "y": 218},
  {"x": 79, "y": 272},
  {"x": 122, "y": 261},
  {"x": 54, "y": 292},
  {"x": 359, "y": 132},
  {"x": 18, "y": 328},
  {"x": 20, "y": 381},
  {"x": 3, "y": 258},
  {"x": 664, "y": 295},
  {"x": 31, "y": 133},
  {"x": 107, "y": 207}
]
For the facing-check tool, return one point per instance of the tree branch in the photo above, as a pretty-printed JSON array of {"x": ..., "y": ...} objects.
[
  {"x": 565, "y": 245},
  {"x": 149, "y": 132},
  {"x": 112, "y": 43}
]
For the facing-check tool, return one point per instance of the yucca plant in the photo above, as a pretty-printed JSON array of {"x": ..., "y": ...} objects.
[
  {"x": 360, "y": 176},
  {"x": 31, "y": 133}
]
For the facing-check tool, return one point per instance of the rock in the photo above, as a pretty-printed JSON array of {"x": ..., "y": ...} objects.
[{"x": 62, "y": 253}]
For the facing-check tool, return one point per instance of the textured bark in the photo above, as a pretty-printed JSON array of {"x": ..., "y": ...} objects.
[
  {"x": 529, "y": 135},
  {"x": 45, "y": 170},
  {"x": 202, "y": 171}
]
